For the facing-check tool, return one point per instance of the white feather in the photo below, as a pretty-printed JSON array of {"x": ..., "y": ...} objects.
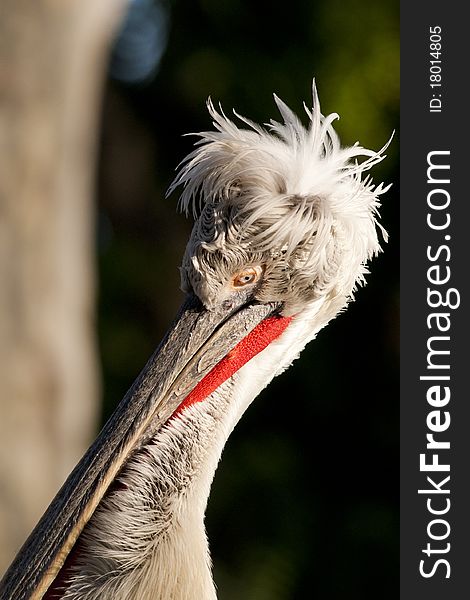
[{"x": 291, "y": 189}]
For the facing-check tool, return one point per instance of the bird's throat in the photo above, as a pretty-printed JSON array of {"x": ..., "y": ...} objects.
[
  {"x": 128, "y": 496},
  {"x": 252, "y": 344}
]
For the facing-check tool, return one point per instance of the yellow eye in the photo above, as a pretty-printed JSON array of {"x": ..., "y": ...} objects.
[{"x": 246, "y": 277}]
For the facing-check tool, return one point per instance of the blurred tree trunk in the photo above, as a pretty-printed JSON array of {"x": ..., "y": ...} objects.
[{"x": 52, "y": 63}]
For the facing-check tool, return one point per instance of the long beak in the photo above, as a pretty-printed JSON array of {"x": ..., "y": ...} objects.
[{"x": 197, "y": 341}]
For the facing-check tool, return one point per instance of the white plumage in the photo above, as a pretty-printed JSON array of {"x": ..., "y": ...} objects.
[
  {"x": 288, "y": 221},
  {"x": 291, "y": 192}
]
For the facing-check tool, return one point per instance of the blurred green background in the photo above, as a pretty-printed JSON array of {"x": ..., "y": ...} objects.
[{"x": 305, "y": 501}]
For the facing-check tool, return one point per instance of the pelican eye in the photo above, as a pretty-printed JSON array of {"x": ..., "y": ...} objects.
[{"x": 246, "y": 277}]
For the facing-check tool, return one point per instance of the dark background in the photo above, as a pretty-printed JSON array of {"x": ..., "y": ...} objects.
[{"x": 303, "y": 505}]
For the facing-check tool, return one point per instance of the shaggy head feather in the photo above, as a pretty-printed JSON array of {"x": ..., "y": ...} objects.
[{"x": 288, "y": 197}]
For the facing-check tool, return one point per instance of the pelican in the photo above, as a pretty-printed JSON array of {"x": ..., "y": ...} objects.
[{"x": 285, "y": 224}]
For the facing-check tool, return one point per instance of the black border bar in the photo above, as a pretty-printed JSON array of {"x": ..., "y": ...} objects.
[{"x": 435, "y": 402}]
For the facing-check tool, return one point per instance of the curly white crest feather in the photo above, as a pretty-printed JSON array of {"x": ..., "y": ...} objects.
[{"x": 288, "y": 188}]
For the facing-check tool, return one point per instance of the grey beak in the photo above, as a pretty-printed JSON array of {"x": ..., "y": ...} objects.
[{"x": 196, "y": 342}]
